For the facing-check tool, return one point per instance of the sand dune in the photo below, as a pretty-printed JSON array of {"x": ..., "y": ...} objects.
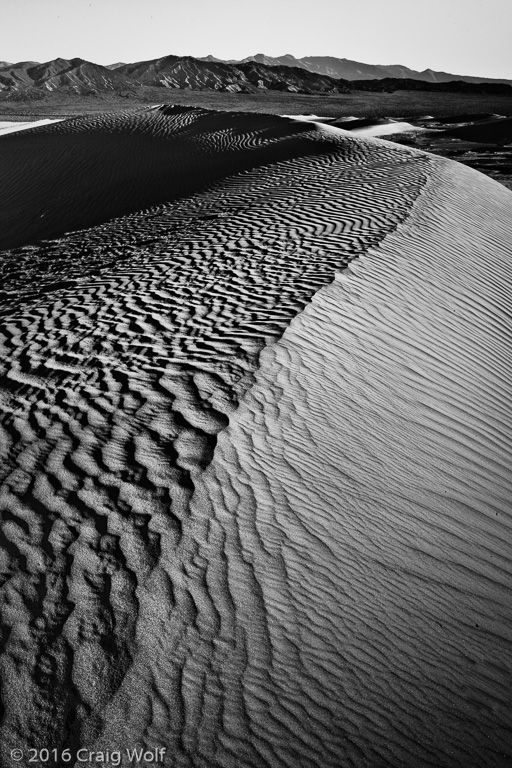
[
  {"x": 465, "y": 117},
  {"x": 365, "y": 479},
  {"x": 13, "y": 127},
  {"x": 370, "y": 128},
  {"x": 488, "y": 131},
  {"x": 312, "y": 118},
  {"x": 256, "y": 502},
  {"x": 389, "y": 129},
  {"x": 360, "y": 122},
  {"x": 375, "y": 126},
  {"x": 86, "y": 170}
]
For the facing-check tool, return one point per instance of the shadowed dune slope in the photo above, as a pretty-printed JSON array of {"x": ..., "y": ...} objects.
[
  {"x": 466, "y": 117},
  {"x": 254, "y": 509},
  {"x": 86, "y": 170},
  {"x": 488, "y": 132}
]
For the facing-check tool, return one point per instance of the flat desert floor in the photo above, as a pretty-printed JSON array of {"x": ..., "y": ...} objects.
[{"x": 255, "y": 441}]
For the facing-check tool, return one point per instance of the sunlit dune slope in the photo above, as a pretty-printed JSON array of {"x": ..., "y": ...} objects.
[
  {"x": 363, "y": 495},
  {"x": 11, "y": 127}
]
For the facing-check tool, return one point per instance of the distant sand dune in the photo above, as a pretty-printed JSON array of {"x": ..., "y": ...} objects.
[
  {"x": 388, "y": 129},
  {"x": 488, "y": 132},
  {"x": 374, "y": 126},
  {"x": 255, "y": 505},
  {"x": 12, "y": 127}
]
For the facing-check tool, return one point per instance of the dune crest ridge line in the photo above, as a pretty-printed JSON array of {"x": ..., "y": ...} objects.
[
  {"x": 134, "y": 607},
  {"x": 361, "y": 497}
]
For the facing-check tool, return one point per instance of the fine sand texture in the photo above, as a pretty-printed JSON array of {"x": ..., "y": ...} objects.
[{"x": 255, "y": 457}]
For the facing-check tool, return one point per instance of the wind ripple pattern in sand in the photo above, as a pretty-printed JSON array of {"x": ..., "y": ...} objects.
[
  {"x": 358, "y": 508},
  {"x": 86, "y": 170},
  {"x": 125, "y": 350}
]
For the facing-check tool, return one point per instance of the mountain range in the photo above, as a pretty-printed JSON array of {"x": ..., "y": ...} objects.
[
  {"x": 27, "y": 78},
  {"x": 356, "y": 70},
  {"x": 310, "y": 75}
]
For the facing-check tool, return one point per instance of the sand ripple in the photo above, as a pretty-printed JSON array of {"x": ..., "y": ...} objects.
[
  {"x": 362, "y": 497},
  {"x": 82, "y": 171},
  {"x": 164, "y": 581}
]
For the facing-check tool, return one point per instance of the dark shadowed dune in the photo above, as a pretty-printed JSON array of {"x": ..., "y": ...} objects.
[
  {"x": 487, "y": 131},
  {"x": 466, "y": 117},
  {"x": 470, "y": 138},
  {"x": 85, "y": 170}
]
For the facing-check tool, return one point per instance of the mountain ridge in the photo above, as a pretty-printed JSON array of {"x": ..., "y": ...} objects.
[
  {"x": 76, "y": 74},
  {"x": 313, "y": 76},
  {"x": 348, "y": 69},
  {"x": 181, "y": 72}
]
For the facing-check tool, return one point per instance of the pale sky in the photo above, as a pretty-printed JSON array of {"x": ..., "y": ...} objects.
[{"x": 466, "y": 37}]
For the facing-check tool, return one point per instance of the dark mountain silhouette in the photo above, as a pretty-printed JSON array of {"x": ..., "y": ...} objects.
[
  {"x": 31, "y": 80},
  {"x": 356, "y": 70}
]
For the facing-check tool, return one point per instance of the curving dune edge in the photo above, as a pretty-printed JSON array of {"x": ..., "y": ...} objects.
[{"x": 256, "y": 447}]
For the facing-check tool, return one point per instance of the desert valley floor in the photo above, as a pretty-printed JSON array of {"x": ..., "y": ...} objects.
[{"x": 255, "y": 438}]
